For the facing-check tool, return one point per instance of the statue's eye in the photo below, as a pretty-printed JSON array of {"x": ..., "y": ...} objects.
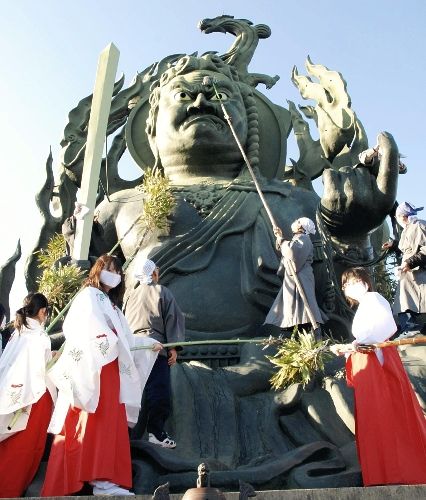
[
  {"x": 220, "y": 95},
  {"x": 182, "y": 96}
]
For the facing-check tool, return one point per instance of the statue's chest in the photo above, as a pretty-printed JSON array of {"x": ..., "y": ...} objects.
[{"x": 211, "y": 297}]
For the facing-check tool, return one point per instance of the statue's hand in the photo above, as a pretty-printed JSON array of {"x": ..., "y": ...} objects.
[{"x": 355, "y": 201}]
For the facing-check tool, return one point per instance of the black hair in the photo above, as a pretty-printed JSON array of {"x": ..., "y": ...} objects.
[{"x": 33, "y": 302}]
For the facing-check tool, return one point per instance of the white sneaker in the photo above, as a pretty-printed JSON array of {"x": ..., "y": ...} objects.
[
  {"x": 167, "y": 442},
  {"x": 109, "y": 489}
]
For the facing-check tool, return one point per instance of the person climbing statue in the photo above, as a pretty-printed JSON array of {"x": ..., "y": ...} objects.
[{"x": 289, "y": 308}]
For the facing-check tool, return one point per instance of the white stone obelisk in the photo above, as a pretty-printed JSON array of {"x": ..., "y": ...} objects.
[{"x": 101, "y": 104}]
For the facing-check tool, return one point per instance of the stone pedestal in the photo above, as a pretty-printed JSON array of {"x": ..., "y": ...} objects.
[{"x": 416, "y": 492}]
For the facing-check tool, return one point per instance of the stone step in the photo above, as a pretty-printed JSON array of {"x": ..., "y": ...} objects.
[{"x": 412, "y": 492}]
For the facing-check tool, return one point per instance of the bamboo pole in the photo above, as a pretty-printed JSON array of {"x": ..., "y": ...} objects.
[
  {"x": 421, "y": 339},
  {"x": 210, "y": 81},
  {"x": 124, "y": 235},
  {"x": 203, "y": 342},
  {"x": 367, "y": 347}
]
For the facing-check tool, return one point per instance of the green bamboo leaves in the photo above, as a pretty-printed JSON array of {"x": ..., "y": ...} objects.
[
  {"x": 56, "y": 249},
  {"x": 158, "y": 202},
  {"x": 298, "y": 359},
  {"x": 58, "y": 283}
]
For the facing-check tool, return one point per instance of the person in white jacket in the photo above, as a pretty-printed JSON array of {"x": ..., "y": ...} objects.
[
  {"x": 390, "y": 425},
  {"x": 26, "y": 397},
  {"x": 100, "y": 388}
]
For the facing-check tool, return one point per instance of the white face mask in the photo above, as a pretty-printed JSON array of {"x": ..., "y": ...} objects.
[
  {"x": 356, "y": 290},
  {"x": 109, "y": 279}
]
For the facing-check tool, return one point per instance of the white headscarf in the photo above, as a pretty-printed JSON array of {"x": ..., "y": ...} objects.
[
  {"x": 307, "y": 225},
  {"x": 407, "y": 209},
  {"x": 143, "y": 271}
]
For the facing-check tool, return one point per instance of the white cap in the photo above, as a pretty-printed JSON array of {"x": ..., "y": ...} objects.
[{"x": 307, "y": 225}]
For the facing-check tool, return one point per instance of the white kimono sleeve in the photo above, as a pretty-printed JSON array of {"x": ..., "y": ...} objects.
[{"x": 373, "y": 321}]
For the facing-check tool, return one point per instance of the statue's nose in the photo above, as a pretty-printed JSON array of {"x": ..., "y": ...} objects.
[{"x": 201, "y": 103}]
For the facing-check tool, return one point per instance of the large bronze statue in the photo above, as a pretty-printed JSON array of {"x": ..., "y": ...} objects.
[
  {"x": 220, "y": 242},
  {"x": 218, "y": 256}
]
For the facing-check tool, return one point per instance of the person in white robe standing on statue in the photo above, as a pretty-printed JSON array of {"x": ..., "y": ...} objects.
[
  {"x": 289, "y": 309},
  {"x": 25, "y": 388},
  {"x": 152, "y": 311},
  {"x": 410, "y": 296}
]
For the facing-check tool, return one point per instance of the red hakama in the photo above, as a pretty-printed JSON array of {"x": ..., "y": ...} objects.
[
  {"x": 390, "y": 425},
  {"x": 20, "y": 455},
  {"x": 92, "y": 446}
]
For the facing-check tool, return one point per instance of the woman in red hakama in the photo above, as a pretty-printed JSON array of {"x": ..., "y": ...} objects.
[
  {"x": 22, "y": 369},
  {"x": 99, "y": 389},
  {"x": 92, "y": 445},
  {"x": 390, "y": 426},
  {"x": 21, "y": 454}
]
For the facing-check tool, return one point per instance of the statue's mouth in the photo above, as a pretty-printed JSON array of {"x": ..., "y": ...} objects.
[{"x": 210, "y": 120}]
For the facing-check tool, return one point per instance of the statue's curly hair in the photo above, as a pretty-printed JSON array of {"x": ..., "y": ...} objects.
[{"x": 207, "y": 62}]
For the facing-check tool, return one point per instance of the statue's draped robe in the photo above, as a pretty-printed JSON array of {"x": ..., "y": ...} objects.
[
  {"x": 229, "y": 418},
  {"x": 222, "y": 272},
  {"x": 228, "y": 260}
]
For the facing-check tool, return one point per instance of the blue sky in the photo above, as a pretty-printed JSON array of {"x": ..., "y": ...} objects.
[{"x": 49, "y": 52}]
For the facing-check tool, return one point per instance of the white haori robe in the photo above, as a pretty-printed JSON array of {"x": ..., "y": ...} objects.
[
  {"x": 373, "y": 321},
  {"x": 23, "y": 378},
  {"x": 90, "y": 344}
]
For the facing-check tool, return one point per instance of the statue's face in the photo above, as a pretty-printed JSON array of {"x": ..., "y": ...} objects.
[{"x": 192, "y": 136}]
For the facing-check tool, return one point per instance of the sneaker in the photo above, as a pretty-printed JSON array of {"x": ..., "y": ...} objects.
[
  {"x": 106, "y": 488},
  {"x": 166, "y": 442}
]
